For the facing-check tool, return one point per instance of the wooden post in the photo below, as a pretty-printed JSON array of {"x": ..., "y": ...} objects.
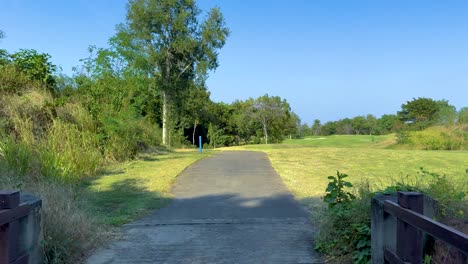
[
  {"x": 9, "y": 232},
  {"x": 409, "y": 238}
]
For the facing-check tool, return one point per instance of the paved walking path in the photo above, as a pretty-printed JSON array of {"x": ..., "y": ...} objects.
[{"x": 229, "y": 208}]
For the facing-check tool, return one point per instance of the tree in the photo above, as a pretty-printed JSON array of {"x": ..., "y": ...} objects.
[
  {"x": 195, "y": 108},
  {"x": 165, "y": 38},
  {"x": 386, "y": 123},
  {"x": 304, "y": 130},
  {"x": 272, "y": 113},
  {"x": 360, "y": 125},
  {"x": 292, "y": 125},
  {"x": 447, "y": 113},
  {"x": 463, "y": 116},
  {"x": 3, "y": 53},
  {"x": 35, "y": 65},
  {"x": 329, "y": 128},
  {"x": 344, "y": 126},
  {"x": 316, "y": 127},
  {"x": 420, "y": 112}
]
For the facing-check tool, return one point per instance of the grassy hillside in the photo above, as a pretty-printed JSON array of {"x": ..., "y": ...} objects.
[{"x": 436, "y": 138}]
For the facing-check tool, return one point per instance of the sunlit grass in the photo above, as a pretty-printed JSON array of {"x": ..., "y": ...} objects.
[
  {"x": 128, "y": 191},
  {"x": 305, "y": 164}
]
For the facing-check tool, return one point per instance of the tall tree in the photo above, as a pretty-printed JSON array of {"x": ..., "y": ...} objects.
[
  {"x": 272, "y": 113},
  {"x": 316, "y": 127},
  {"x": 386, "y": 123},
  {"x": 195, "y": 106},
  {"x": 166, "y": 38},
  {"x": 420, "y": 112}
]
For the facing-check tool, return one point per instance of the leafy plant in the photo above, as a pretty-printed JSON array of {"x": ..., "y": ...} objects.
[
  {"x": 362, "y": 241},
  {"x": 335, "y": 190}
]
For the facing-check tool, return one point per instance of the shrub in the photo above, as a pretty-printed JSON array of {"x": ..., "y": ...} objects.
[
  {"x": 123, "y": 136},
  {"x": 13, "y": 80},
  {"x": 436, "y": 138},
  {"x": 344, "y": 231}
]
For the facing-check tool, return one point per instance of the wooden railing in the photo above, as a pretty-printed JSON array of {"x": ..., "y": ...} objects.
[
  {"x": 11, "y": 211},
  {"x": 410, "y": 227}
]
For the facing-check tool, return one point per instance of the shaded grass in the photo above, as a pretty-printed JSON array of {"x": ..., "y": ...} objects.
[
  {"x": 127, "y": 191},
  {"x": 304, "y": 166}
]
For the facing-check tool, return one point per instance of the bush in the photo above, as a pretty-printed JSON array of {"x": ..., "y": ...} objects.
[
  {"x": 344, "y": 231},
  {"x": 123, "y": 136},
  {"x": 14, "y": 81},
  {"x": 436, "y": 138}
]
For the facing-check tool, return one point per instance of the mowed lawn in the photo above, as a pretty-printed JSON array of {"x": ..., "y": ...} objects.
[
  {"x": 304, "y": 164},
  {"x": 130, "y": 190}
]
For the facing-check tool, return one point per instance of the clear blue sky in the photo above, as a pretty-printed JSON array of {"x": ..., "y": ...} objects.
[{"x": 329, "y": 59}]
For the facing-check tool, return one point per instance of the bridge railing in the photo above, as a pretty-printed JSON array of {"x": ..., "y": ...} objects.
[
  {"x": 398, "y": 227},
  {"x": 20, "y": 228}
]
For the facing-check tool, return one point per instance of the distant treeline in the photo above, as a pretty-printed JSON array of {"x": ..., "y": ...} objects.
[{"x": 416, "y": 114}]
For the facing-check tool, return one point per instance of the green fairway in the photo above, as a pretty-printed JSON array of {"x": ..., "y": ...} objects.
[
  {"x": 304, "y": 164},
  {"x": 347, "y": 141},
  {"x": 127, "y": 191}
]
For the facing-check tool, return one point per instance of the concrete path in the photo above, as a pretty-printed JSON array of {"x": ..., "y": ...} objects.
[{"x": 229, "y": 208}]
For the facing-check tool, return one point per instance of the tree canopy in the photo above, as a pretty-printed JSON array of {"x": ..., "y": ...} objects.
[{"x": 167, "y": 39}]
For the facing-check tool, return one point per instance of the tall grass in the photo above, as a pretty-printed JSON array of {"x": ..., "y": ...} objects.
[
  {"x": 67, "y": 231},
  {"x": 440, "y": 138},
  {"x": 68, "y": 154}
]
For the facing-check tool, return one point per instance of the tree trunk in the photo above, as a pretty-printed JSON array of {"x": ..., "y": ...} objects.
[
  {"x": 164, "y": 119},
  {"x": 266, "y": 134},
  {"x": 193, "y": 135}
]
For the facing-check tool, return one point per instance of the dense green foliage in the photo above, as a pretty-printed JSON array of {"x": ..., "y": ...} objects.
[{"x": 165, "y": 40}]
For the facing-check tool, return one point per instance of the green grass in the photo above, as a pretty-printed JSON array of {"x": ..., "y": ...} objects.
[
  {"x": 127, "y": 191},
  {"x": 305, "y": 164},
  {"x": 348, "y": 141}
]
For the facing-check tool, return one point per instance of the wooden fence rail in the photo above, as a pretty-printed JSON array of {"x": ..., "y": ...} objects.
[
  {"x": 11, "y": 211},
  {"x": 411, "y": 224}
]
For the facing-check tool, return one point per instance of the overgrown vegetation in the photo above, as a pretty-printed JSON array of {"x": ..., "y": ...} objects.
[
  {"x": 344, "y": 235},
  {"x": 436, "y": 138}
]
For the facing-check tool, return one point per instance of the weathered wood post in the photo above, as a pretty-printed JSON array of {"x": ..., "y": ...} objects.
[
  {"x": 9, "y": 226},
  {"x": 383, "y": 228},
  {"x": 20, "y": 228},
  {"x": 409, "y": 238}
]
